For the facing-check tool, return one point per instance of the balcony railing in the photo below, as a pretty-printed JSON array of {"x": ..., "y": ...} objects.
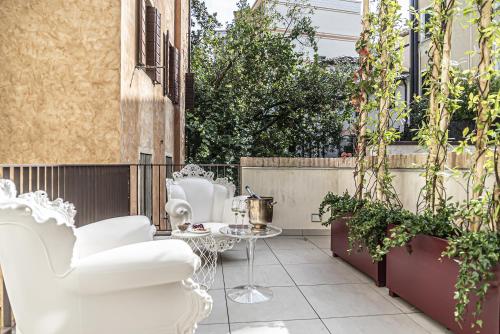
[{"x": 104, "y": 191}]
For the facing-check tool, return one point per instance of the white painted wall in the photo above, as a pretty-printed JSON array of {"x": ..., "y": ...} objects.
[{"x": 299, "y": 191}]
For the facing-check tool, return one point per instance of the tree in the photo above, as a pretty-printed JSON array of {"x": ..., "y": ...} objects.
[{"x": 256, "y": 94}]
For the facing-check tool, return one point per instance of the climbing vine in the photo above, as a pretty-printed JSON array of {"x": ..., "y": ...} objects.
[
  {"x": 362, "y": 94},
  {"x": 442, "y": 95},
  {"x": 387, "y": 69}
]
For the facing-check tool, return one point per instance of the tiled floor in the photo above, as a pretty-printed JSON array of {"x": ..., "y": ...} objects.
[{"x": 314, "y": 293}]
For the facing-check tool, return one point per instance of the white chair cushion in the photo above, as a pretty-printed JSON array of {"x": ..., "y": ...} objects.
[
  {"x": 177, "y": 192},
  {"x": 111, "y": 233},
  {"x": 199, "y": 193},
  {"x": 220, "y": 195}
]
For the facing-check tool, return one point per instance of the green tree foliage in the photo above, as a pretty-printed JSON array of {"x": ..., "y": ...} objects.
[{"x": 256, "y": 95}]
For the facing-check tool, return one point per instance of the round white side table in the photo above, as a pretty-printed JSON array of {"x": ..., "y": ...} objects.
[
  {"x": 204, "y": 246},
  {"x": 250, "y": 293}
]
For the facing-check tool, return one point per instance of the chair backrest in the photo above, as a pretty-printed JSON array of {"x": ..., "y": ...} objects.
[
  {"x": 206, "y": 196},
  {"x": 36, "y": 247}
]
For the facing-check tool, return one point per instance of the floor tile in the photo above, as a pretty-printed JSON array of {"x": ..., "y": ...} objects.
[
  {"x": 320, "y": 241},
  {"x": 280, "y": 327},
  {"x": 288, "y": 303},
  {"x": 323, "y": 273},
  {"x": 289, "y": 243},
  {"x": 219, "y": 279},
  {"x": 242, "y": 246},
  {"x": 344, "y": 300},
  {"x": 265, "y": 275},
  {"x": 239, "y": 258},
  {"x": 213, "y": 329},
  {"x": 383, "y": 324},
  {"x": 299, "y": 256},
  {"x": 219, "y": 309},
  {"x": 429, "y": 324},
  {"x": 398, "y": 302}
]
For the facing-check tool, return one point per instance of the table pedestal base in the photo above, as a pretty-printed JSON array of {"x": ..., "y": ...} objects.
[{"x": 247, "y": 294}]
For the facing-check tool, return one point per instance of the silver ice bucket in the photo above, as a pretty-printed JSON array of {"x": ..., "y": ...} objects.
[{"x": 260, "y": 211}]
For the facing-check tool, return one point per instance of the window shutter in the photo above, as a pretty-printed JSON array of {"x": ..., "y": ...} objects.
[
  {"x": 171, "y": 71},
  {"x": 189, "y": 97},
  {"x": 153, "y": 34},
  {"x": 177, "y": 76},
  {"x": 166, "y": 52},
  {"x": 141, "y": 26}
]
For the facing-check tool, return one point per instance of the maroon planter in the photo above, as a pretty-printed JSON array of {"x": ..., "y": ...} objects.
[
  {"x": 360, "y": 260},
  {"x": 416, "y": 274}
]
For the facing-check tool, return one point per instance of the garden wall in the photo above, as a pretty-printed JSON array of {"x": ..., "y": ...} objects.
[{"x": 299, "y": 184}]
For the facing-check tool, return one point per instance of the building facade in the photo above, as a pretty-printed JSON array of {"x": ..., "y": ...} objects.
[
  {"x": 92, "y": 81},
  {"x": 337, "y": 23}
]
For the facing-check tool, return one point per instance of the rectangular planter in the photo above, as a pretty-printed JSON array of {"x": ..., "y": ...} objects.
[
  {"x": 361, "y": 260},
  {"x": 416, "y": 274}
]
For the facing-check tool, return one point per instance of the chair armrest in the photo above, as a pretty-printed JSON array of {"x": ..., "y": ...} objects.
[
  {"x": 179, "y": 211},
  {"x": 111, "y": 233},
  {"x": 134, "y": 266}
]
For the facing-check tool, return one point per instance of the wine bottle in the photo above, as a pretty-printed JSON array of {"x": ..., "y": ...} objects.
[{"x": 251, "y": 193}]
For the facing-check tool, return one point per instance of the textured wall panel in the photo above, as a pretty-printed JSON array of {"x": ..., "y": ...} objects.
[{"x": 60, "y": 81}]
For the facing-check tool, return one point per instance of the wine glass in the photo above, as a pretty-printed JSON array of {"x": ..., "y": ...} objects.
[
  {"x": 235, "y": 208},
  {"x": 242, "y": 209}
]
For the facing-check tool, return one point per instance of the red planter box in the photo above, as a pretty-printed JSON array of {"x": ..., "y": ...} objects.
[
  {"x": 360, "y": 260},
  {"x": 416, "y": 274}
]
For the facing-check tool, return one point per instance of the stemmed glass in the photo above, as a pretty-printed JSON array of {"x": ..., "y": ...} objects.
[
  {"x": 242, "y": 209},
  {"x": 235, "y": 205}
]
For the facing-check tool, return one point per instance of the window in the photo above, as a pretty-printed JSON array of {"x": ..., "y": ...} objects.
[
  {"x": 425, "y": 18},
  {"x": 169, "y": 161},
  {"x": 166, "y": 52},
  {"x": 141, "y": 33},
  {"x": 189, "y": 91},
  {"x": 153, "y": 44},
  {"x": 173, "y": 74}
]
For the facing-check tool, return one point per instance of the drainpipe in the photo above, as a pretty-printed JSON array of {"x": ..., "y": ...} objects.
[{"x": 414, "y": 59}]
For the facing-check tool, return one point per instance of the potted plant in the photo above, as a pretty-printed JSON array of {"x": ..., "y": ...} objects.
[{"x": 449, "y": 273}]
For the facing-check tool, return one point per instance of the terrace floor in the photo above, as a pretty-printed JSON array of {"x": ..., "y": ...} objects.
[{"x": 314, "y": 293}]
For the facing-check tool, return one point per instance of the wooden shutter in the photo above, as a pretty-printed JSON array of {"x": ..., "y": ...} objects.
[
  {"x": 153, "y": 43},
  {"x": 189, "y": 97},
  {"x": 141, "y": 32},
  {"x": 166, "y": 52},
  {"x": 171, "y": 72},
  {"x": 177, "y": 76}
]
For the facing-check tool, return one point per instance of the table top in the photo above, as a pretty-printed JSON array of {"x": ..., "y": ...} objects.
[
  {"x": 188, "y": 234},
  {"x": 247, "y": 232}
]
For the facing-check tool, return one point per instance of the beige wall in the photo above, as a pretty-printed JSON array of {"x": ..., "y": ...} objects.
[
  {"x": 59, "y": 84},
  {"x": 69, "y": 90},
  {"x": 299, "y": 185},
  {"x": 147, "y": 120}
]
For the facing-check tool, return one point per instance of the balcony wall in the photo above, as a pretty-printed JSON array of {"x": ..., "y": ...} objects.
[{"x": 299, "y": 184}]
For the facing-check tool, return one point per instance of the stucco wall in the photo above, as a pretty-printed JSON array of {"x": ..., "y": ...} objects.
[
  {"x": 299, "y": 185},
  {"x": 147, "y": 120},
  {"x": 59, "y": 86}
]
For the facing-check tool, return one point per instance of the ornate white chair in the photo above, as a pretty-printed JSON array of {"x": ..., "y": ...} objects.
[
  {"x": 63, "y": 280},
  {"x": 194, "y": 195}
]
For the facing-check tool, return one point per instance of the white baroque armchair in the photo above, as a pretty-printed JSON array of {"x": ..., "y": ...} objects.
[
  {"x": 107, "y": 277},
  {"x": 194, "y": 195}
]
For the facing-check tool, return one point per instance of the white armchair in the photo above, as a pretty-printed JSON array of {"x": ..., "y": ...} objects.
[
  {"x": 194, "y": 195},
  {"x": 107, "y": 277}
]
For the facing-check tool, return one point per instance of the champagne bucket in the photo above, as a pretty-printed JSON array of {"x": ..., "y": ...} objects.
[{"x": 260, "y": 211}]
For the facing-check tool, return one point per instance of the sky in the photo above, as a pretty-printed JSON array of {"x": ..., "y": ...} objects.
[{"x": 225, "y": 8}]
